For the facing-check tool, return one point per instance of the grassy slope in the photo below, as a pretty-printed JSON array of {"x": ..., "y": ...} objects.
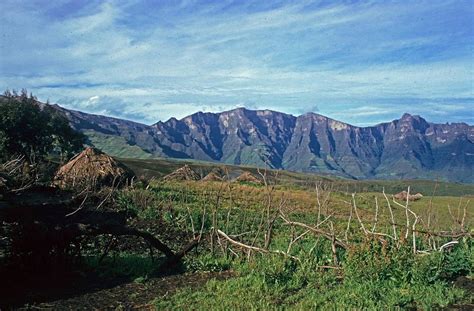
[
  {"x": 116, "y": 145},
  {"x": 373, "y": 277},
  {"x": 157, "y": 168}
]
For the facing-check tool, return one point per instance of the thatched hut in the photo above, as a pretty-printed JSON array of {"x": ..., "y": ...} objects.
[
  {"x": 402, "y": 196},
  {"x": 183, "y": 173},
  {"x": 212, "y": 176},
  {"x": 248, "y": 177},
  {"x": 92, "y": 169}
]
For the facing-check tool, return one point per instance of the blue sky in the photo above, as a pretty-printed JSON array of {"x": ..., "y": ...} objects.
[{"x": 361, "y": 62}]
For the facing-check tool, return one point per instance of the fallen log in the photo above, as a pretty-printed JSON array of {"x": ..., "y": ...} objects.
[
  {"x": 173, "y": 260},
  {"x": 79, "y": 229},
  {"x": 52, "y": 228}
]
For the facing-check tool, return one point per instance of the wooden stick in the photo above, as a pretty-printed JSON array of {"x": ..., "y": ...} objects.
[
  {"x": 391, "y": 215},
  {"x": 254, "y": 248},
  {"x": 317, "y": 231}
]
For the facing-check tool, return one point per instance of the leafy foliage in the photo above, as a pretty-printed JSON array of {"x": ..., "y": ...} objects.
[
  {"x": 33, "y": 131},
  {"x": 372, "y": 278}
]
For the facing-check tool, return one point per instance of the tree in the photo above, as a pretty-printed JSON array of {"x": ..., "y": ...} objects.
[{"x": 34, "y": 130}]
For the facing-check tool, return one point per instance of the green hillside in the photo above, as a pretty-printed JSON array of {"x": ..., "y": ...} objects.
[{"x": 149, "y": 168}]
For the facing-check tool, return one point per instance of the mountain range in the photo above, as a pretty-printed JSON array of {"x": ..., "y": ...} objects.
[{"x": 407, "y": 148}]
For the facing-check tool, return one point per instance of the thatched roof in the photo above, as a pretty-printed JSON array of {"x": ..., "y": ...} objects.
[
  {"x": 212, "y": 176},
  {"x": 248, "y": 177},
  {"x": 92, "y": 169},
  {"x": 183, "y": 173},
  {"x": 402, "y": 196}
]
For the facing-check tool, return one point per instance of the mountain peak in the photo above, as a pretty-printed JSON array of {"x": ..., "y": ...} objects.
[
  {"x": 236, "y": 110},
  {"x": 409, "y": 117},
  {"x": 409, "y": 147}
]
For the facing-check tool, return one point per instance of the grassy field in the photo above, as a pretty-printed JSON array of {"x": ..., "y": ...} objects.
[
  {"x": 109, "y": 143},
  {"x": 315, "y": 248},
  {"x": 156, "y": 168},
  {"x": 297, "y": 241}
]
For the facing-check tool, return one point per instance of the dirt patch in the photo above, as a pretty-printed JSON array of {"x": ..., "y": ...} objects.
[{"x": 133, "y": 295}]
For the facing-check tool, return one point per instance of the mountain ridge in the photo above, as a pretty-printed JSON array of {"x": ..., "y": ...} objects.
[{"x": 405, "y": 148}]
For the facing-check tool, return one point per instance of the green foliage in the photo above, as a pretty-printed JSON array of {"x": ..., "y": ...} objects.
[
  {"x": 138, "y": 202},
  {"x": 208, "y": 262},
  {"x": 373, "y": 277},
  {"x": 135, "y": 267},
  {"x": 116, "y": 146},
  {"x": 33, "y": 131},
  {"x": 459, "y": 261}
]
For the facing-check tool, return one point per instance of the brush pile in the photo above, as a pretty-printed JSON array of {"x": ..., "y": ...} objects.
[
  {"x": 212, "y": 176},
  {"x": 248, "y": 177},
  {"x": 183, "y": 173},
  {"x": 403, "y": 196}
]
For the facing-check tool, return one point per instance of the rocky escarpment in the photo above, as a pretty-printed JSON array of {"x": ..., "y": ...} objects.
[{"x": 409, "y": 147}]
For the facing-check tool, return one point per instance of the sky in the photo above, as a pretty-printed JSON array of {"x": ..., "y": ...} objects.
[{"x": 361, "y": 62}]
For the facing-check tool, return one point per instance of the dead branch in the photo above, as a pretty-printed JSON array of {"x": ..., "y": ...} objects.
[
  {"x": 444, "y": 234},
  {"x": 392, "y": 218},
  {"x": 348, "y": 225},
  {"x": 174, "y": 259},
  {"x": 254, "y": 248},
  {"x": 406, "y": 212},
  {"x": 354, "y": 205},
  {"x": 79, "y": 229},
  {"x": 376, "y": 214},
  {"x": 80, "y": 206},
  {"x": 449, "y": 244},
  {"x": 314, "y": 230},
  {"x": 294, "y": 240}
]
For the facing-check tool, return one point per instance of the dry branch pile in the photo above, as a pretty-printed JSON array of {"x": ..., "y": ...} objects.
[
  {"x": 248, "y": 177},
  {"x": 412, "y": 229},
  {"x": 183, "y": 173},
  {"x": 3, "y": 184},
  {"x": 212, "y": 176},
  {"x": 48, "y": 225},
  {"x": 92, "y": 169},
  {"x": 404, "y": 195}
]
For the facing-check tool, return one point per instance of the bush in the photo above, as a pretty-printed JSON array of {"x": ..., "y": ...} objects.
[
  {"x": 33, "y": 131},
  {"x": 138, "y": 202}
]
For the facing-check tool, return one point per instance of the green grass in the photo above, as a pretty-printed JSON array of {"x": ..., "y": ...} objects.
[
  {"x": 371, "y": 278},
  {"x": 128, "y": 265},
  {"x": 370, "y": 274},
  {"x": 158, "y": 167},
  {"x": 116, "y": 146}
]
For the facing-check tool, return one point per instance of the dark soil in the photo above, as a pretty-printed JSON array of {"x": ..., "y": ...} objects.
[
  {"x": 100, "y": 294},
  {"x": 467, "y": 284},
  {"x": 41, "y": 269}
]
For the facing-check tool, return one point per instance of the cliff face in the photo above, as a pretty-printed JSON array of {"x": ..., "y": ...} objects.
[{"x": 409, "y": 147}]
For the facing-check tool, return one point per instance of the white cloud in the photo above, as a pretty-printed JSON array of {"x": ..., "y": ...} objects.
[{"x": 285, "y": 58}]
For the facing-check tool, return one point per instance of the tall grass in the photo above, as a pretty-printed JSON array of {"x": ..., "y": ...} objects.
[{"x": 378, "y": 264}]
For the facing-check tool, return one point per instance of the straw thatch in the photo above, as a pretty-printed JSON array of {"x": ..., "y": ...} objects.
[
  {"x": 212, "y": 176},
  {"x": 248, "y": 177},
  {"x": 92, "y": 169},
  {"x": 402, "y": 196},
  {"x": 183, "y": 173}
]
